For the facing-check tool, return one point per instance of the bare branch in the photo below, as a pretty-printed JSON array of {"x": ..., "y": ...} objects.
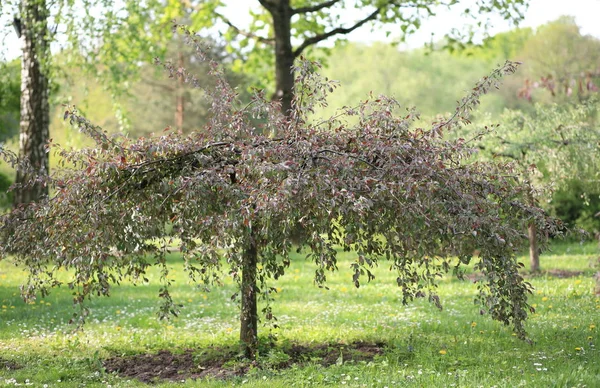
[
  {"x": 247, "y": 34},
  {"x": 314, "y": 8},
  {"x": 348, "y": 155},
  {"x": 336, "y": 31}
]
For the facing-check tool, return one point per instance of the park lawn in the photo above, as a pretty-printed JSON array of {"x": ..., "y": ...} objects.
[{"x": 424, "y": 347}]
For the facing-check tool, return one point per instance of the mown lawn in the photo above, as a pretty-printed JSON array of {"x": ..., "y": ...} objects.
[{"x": 425, "y": 347}]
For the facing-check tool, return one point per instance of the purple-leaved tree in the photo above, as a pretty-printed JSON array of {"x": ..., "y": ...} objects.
[{"x": 364, "y": 180}]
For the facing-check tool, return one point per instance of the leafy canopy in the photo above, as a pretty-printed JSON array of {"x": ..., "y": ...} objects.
[{"x": 378, "y": 187}]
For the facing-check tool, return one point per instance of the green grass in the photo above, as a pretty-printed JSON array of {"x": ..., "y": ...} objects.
[{"x": 426, "y": 347}]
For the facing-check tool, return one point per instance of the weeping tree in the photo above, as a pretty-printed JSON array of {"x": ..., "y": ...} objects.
[{"x": 364, "y": 180}]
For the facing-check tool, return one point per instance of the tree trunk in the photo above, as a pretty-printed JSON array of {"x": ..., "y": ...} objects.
[
  {"x": 35, "y": 110},
  {"x": 179, "y": 92},
  {"x": 249, "y": 316},
  {"x": 534, "y": 253},
  {"x": 284, "y": 55}
]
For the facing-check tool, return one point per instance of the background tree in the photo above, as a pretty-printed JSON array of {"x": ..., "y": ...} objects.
[
  {"x": 560, "y": 60},
  {"x": 229, "y": 191},
  {"x": 176, "y": 104},
  {"x": 432, "y": 80},
  {"x": 32, "y": 28},
  {"x": 71, "y": 20},
  {"x": 558, "y": 145},
  {"x": 282, "y": 30}
]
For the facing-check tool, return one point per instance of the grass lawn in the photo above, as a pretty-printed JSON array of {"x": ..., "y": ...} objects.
[{"x": 424, "y": 347}]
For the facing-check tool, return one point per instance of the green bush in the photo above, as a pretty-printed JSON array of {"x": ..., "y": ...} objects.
[{"x": 577, "y": 207}]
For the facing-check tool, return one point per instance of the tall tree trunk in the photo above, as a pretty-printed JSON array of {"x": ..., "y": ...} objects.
[
  {"x": 249, "y": 315},
  {"x": 179, "y": 93},
  {"x": 284, "y": 55},
  {"x": 35, "y": 110},
  {"x": 534, "y": 252}
]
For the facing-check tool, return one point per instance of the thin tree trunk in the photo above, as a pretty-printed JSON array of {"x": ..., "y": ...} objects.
[
  {"x": 179, "y": 92},
  {"x": 597, "y": 289},
  {"x": 534, "y": 253},
  {"x": 249, "y": 316},
  {"x": 35, "y": 110},
  {"x": 284, "y": 55}
]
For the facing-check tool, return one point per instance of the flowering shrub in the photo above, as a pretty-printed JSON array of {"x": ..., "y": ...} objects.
[{"x": 236, "y": 196}]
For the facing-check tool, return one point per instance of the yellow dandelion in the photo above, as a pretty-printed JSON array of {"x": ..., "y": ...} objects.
[
  {"x": 473, "y": 324},
  {"x": 592, "y": 326},
  {"x": 344, "y": 289},
  {"x": 118, "y": 312},
  {"x": 189, "y": 300},
  {"x": 170, "y": 327},
  {"x": 590, "y": 338},
  {"x": 443, "y": 351},
  {"x": 578, "y": 349},
  {"x": 204, "y": 297},
  {"x": 578, "y": 281},
  {"x": 118, "y": 328},
  {"x": 545, "y": 298},
  {"x": 3, "y": 306}
]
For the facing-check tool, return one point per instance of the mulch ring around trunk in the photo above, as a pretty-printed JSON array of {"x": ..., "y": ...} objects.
[{"x": 224, "y": 363}]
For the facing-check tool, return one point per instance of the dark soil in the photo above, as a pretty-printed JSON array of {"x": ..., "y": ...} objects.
[
  {"x": 224, "y": 363},
  {"x": 8, "y": 364},
  {"x": 557, "y": 273}
]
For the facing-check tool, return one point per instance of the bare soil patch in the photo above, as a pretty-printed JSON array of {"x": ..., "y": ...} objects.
[
  {"x": 224, "y": 363},
  {"x": 557, "y": 273}
]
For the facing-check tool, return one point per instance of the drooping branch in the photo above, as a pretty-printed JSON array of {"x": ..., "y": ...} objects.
[
  {"x": 341, "y": 30},
  {"x": 336, "y": 31},
  {"x": 315, "y": 8}
]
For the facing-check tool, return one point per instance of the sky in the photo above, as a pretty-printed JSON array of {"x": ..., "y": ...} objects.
[{"x": 586, "y": 13}]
